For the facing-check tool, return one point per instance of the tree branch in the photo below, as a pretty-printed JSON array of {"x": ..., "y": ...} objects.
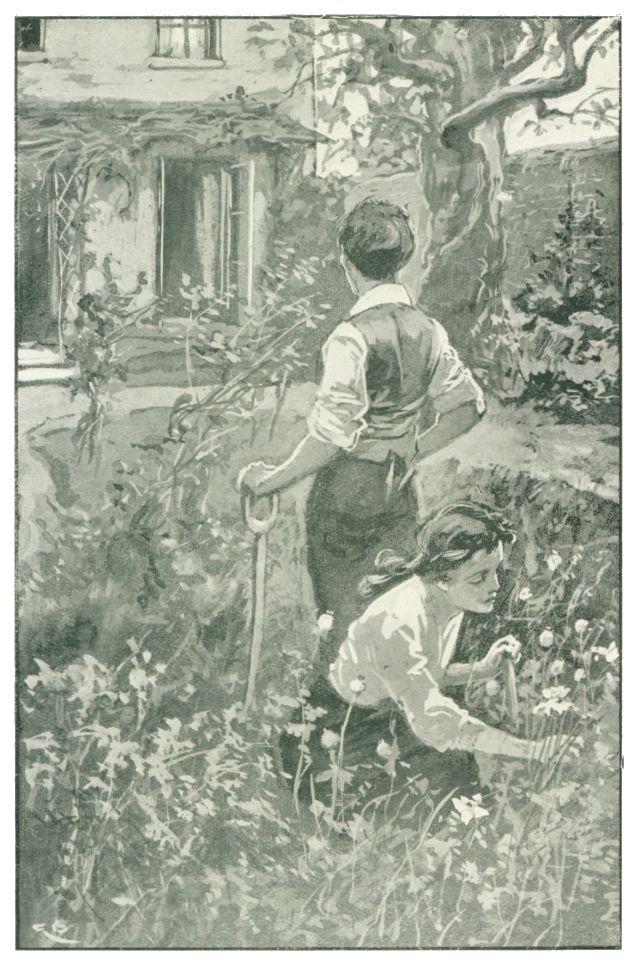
[
  {"x": 389, "y": 60},
  {"x": 505, "y": 99},
  {"x": 530, "y": 55}
]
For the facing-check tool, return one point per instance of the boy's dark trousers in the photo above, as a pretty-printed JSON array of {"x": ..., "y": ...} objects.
[{"x": 355, "y": 509}]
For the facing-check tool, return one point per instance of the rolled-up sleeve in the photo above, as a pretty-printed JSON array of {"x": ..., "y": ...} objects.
[
  {"x": 341, "y": 403},
  {"x": 452, "y": 383}
]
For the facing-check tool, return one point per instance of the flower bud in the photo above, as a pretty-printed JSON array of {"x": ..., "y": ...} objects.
[
  {"x": 554, "y": 560},
  {"x": 581, "y": 626},
  {"x": 525, "y": 594},
  {"x": 329, "y": 739},
  {"x": 325, "y": 624},
  {"x": 546, "y": 638},
  {"x": 357, "y": 685},
  {"x": 384, "y": 749},
  {"x": 492, "y": 687}
]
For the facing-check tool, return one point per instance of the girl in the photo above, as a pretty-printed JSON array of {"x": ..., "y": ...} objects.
[{"x": 388, "y": 676}]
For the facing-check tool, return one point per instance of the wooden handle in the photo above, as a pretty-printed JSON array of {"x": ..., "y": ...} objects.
[
  {"x": 257, "y": 620},
  {"x": 253, "y": 522},
  {"x": 510, "y": 688}
]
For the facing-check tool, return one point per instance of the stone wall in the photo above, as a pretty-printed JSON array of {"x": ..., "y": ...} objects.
[{"x": 539, "y": 183}]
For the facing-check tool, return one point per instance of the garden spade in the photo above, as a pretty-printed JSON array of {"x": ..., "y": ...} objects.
[{"x": 259, "y": 527}]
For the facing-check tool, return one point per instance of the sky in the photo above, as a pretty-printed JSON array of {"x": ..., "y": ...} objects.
[{"x": 602, "y": 72}]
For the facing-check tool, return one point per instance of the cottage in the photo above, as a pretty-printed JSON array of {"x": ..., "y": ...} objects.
[{"x": 153, "y": 143}]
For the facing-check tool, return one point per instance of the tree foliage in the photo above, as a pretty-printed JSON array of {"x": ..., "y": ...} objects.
[{"x": 431, "y": 95}]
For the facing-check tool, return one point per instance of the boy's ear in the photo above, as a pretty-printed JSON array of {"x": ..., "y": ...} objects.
[{"x": 443, "y": 585}]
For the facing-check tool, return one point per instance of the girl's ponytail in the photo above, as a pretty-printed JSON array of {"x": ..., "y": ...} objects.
[
  {"x": 390, "y": 568},
  {"x": 445, "y": 541}
]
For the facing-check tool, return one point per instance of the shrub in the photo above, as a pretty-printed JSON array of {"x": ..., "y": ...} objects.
[
  {"x": 557, "y": 345},
  {"x": 568, "y": 275}
]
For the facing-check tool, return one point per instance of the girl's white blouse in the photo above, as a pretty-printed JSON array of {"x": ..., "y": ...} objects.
[{"x": 400, "y": 649}]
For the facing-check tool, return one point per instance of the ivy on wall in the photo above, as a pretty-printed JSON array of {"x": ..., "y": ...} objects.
[{"x": 63, "y": 147}]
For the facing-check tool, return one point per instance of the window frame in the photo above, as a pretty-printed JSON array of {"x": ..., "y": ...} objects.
[
  {"x": 33, "y": 53},
  {"x": 237, "y": 186},
  {"x": 212, "y": 27}
]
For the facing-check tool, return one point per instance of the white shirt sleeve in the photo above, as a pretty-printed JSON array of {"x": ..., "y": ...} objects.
[
  {"x": 341, "y": 403},
  {"x": 387, "y": 656},
  {"x": 452, "y": 384}
]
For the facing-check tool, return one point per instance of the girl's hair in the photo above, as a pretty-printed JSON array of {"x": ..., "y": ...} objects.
[{"x": 445, "y": 541}]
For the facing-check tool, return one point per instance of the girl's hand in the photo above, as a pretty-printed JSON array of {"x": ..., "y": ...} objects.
[
  {"x": 489, "y": 665},
  {"x": 545, "y": 750},
  {"x": 254, "y": 477}
]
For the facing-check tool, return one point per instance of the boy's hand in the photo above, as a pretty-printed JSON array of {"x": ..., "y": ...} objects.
[{"x": 254, "y": 477}]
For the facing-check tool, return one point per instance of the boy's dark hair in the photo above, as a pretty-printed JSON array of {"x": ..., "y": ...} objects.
[{"x": 377, "y": 238}]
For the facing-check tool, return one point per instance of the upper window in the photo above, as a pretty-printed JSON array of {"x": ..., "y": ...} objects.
[
  {"x": 29, "y": 33},
  {"x": 189, "y": 38}
]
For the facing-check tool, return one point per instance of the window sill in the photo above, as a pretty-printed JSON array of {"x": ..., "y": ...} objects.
[
  {"x": 32, "y": 57},
  {"x": 46, "y": 376},
  {"x": 43, "y": 366},
  {"x": 177, "y": 63},
  {"x": 31, "y": 355}
]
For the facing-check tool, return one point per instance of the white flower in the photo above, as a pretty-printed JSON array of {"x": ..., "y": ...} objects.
[
  {"x": 487, "y": 899},
  {"x": 579, "y": 674},
  {"x": 469, "y": 808},
  {"x": 316, "y": 844},
  {"x": 556, "y": 667},
  {"x": 554, "y": 701},
  {"x": 525, "y": 594},
  {"x": 384, "y": 749},
  {"x": 546, "y": 638},
  {"x": 357, "y": 685},
  {"x": 610, "y": 652},
  {"x": 581, "y": 626},
  {"x": 325, "y": 624},
  {"x": 554, "y": 560},
  {"x": 138, "y": 678},
  {"x": 329, "y": 739},
  {"x": 470, "y": 870},
  {"x": 492, "y": 687}
]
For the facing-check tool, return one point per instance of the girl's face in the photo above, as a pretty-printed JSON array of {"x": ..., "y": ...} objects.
[{"x": 473, "y": 586}]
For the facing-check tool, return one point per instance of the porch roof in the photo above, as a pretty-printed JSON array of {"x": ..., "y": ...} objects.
[{"x": 48, "y": 131}]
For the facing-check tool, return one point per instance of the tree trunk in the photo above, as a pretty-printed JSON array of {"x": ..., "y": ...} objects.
[{"x": 465, "y": 254}]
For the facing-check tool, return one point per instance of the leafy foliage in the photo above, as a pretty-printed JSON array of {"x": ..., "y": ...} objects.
[
  {"x": 96, "y": 133},
  {"x": 558, "y": 345},
  {"x": 91, "y": 343},
  {"x": 167, "y": 821},
  {"x": 568, "y": 275}
]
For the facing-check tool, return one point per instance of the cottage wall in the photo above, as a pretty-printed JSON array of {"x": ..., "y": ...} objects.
[{"x": 114, "y": 58}]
